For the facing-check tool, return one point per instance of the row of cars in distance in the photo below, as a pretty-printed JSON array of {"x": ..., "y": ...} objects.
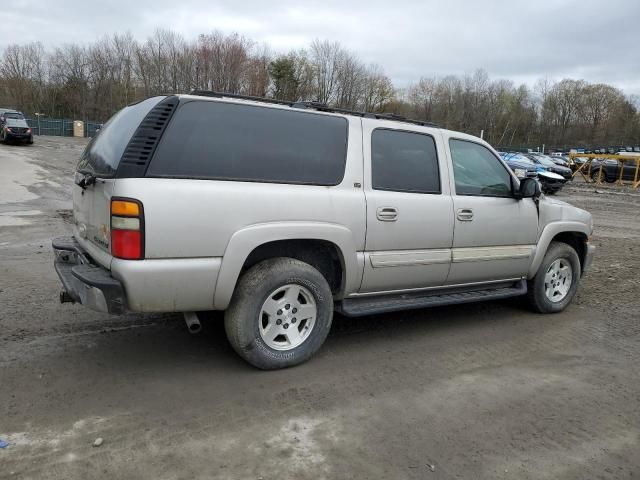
[
  {"x": 551, "y": 172},
  {"x": 14, "y": 127},
  {"x": 610, "y": 171}
]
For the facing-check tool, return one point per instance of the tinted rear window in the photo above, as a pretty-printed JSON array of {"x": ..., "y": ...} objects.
[
  {"x": 404, "y": 162},
  {"x": 103, "y": 154},
  {"x": 228, "y": 141}
]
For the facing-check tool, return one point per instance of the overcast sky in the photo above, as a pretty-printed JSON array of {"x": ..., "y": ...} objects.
[{"x": 519, "y": 40}]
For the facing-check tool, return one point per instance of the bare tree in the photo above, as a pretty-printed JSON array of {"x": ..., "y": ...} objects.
[{"x": 325, "y": 58}]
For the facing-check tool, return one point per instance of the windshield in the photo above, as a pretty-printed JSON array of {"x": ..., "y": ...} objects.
[
  {"x": 14, "y": 115},
  {"x": 102, "y": 155}
]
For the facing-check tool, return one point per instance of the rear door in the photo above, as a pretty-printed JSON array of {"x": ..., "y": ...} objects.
[
  {"x": 409, "y": 208},
  {"x": 494, "y": 234},
  {"x": 91, "y": 205}
]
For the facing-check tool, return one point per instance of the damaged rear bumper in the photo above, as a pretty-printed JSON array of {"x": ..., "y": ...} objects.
[{"x": 85, "y": 282}]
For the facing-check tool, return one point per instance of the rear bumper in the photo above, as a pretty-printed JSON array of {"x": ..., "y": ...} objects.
[
  {"x": 83, "y": 281},
  {"x": 20, "y": 137}
]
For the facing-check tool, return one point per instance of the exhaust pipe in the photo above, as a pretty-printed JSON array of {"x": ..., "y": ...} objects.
[{"x": 192, "y": 321}]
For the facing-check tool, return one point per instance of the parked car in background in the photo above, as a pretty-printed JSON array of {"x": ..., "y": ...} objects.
[
  {"x": 562, "y": 161},
  {"x": 14, "y": 127},
  {"x": 549, "y": 182},
  {"x": 550, "y": 165},
  {"x": 522, "y": 167},
  {"x": 610, "y": 171}
]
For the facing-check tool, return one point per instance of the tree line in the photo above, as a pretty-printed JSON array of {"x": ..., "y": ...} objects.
[{"x": 92, "y": 81}]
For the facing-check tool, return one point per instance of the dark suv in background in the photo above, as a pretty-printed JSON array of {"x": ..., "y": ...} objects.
[{"x": 14, "y": 127}]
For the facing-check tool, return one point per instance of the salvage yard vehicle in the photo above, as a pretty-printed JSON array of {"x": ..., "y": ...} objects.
[
  {"x": 522, "y": 167},
  {"x": 550, "y": 165},
  {"x": 280, "y": 213},
  {"x": 14, "y": 127},
  {"x": 550, "y": 182},
  {"x": 610, "y": 171}
]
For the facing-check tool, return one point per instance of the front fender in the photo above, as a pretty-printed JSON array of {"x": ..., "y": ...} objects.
[
  {"x": 244, "y": 241},
  {"x": 547, "y": 235}
]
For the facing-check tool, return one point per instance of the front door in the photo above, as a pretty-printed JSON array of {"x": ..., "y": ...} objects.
[
  {"x": 494, "y": 234},
  {"x": 409, "y": 209}
]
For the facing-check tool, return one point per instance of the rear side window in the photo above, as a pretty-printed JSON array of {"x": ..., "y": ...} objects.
[
  {"x": 404, "y": 162},
  {"x": 228, "y": 141},
  {"x": 103, "y": 154}
]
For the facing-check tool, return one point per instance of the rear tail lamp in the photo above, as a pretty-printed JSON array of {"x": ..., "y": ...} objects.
[{"x": 127, "y": 229}]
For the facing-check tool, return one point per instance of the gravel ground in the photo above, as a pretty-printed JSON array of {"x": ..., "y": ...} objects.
[{"x": 475, "y": 391}]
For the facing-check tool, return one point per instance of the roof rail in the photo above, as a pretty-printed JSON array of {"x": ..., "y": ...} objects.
[{"x": 322, "y": 107}]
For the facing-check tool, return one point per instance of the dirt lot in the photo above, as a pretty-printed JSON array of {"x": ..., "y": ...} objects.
[{"x": 478, "y": 391}]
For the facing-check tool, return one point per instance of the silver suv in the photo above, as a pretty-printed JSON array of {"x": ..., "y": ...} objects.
[{"x": 281, "y": 213}]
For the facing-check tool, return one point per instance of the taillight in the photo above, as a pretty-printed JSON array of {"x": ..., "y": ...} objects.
[{"x": 127, "y": 229}]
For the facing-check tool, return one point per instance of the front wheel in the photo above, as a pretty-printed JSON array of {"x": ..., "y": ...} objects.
[
  {"x": 280, "y": 313},
  {"x": 556, "y": 282}
]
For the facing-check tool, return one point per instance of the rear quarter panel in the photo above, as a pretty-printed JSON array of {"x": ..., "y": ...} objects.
[{"x": 187, "y": 218}]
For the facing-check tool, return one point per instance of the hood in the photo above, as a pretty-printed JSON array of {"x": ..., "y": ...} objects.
[
  {"x": 561, "y": 168},
  {"x": 14, "y": 122},
  {"x": 548, "y": 174},
  {"x": 554, "y": 210}
]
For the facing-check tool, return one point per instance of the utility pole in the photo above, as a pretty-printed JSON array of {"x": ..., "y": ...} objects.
[{"x": 38, "y": 115}]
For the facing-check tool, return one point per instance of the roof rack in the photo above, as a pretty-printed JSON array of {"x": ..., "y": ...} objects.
[{"x": 322, "y": 107}]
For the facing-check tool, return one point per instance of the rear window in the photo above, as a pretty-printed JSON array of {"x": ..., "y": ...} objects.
[
  {"x": 102, "y": 155},
  {"x": 228, "y": 141}
]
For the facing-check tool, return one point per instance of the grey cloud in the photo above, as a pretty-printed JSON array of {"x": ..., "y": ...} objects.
[{"x": 519, "y": 40}]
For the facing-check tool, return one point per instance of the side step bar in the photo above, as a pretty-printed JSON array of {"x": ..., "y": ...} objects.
[{"x": 357, "y": 307}]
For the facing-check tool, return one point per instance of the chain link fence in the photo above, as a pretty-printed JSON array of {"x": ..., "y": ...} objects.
[{"x": 61, "y": 127}]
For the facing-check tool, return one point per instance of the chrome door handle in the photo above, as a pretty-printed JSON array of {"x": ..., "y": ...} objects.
[
  {"x": 465, "y": 214},
  {"x": 387, "y": 214}
]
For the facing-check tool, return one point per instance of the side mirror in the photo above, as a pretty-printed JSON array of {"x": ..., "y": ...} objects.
[{"x": 529, "y": 188}]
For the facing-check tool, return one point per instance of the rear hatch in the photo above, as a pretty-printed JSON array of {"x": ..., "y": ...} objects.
[{"x": 96, "y": 176}]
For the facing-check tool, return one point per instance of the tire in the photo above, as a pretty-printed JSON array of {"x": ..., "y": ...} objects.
[
  {"x": 250, "y": 329},
  {"x": 558, "y": 254},
  {"x": 604, "y": 179}
]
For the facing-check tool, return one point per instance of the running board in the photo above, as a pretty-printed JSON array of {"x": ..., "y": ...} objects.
[{"x": 357, "y": 307}]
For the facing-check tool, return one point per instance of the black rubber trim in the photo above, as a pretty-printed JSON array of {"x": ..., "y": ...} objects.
[{"x": 140, "y": 149}]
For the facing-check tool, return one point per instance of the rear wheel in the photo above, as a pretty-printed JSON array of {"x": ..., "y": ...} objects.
[
  {"x": 556, "y": 282},
  {"x": 280, "y": 313},
  {"x": 601, "y": 176}
]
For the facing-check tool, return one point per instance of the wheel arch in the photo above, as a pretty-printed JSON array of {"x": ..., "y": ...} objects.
[
  {"x": 574, "y": 234},
  {"x": 307, "y": 241}
]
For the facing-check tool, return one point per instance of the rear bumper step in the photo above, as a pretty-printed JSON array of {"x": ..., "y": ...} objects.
[
  {"x": 356, "y": 307},
  {"x": 85, "y": 282}
]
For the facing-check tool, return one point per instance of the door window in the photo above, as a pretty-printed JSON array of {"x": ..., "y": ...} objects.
[
  {"x": 404, "y": 162},
  {"x": 477, "y": 171}
]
